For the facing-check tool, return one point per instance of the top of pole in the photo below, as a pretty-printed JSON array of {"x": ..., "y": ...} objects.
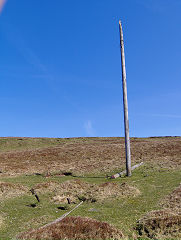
[{"x": 121, "y": 30}]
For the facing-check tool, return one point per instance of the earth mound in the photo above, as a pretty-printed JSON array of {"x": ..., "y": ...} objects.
[
  {"x": 173, "y": 201},
  {"x": 77, "y": 190},
  {"x": 165, "y": 223},
  {"x": 161, "y": 224},
  {"x": 10, "y": 190},
  {"x": 75, "y": 228}
]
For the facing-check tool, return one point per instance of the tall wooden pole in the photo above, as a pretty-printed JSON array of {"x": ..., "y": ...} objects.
[{"x": 125, "y": 102}]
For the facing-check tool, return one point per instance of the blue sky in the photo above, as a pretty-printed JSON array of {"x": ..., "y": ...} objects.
[{"x": 60, "y": 72}]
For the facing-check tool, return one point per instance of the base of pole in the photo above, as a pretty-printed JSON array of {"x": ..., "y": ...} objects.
[{"x": 124, "y": 172}]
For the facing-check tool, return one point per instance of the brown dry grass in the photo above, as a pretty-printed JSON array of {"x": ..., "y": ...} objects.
[
  {"x": 161, "y": 224},
  {"x": 79, "y": 190},
  {"x": 83, "y": 155},
  {"x": 165, "y": 223},
  {"x": 173, "y": 201},
  {"x": 10, "y": 190},
  {"x": 1, "y": 221},
  {"x": 75, "y": 228}
]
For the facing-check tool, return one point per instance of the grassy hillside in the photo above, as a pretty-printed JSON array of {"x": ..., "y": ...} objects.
[{"x": 42, "y": 163}]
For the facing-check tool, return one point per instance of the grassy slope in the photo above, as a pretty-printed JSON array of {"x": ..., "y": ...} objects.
[
  {"x": 20, "y": 143},
  {"x": 154, "y": 184},
  {"x": 9, "y": 144}
]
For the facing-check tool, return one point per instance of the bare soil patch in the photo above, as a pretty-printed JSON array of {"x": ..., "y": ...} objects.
[
  {"x": 10, "y": 190},
  {"x": 78, "y": 190},
  {"x": 75, "y": 228},
  {"x": 82, "y": 155}
]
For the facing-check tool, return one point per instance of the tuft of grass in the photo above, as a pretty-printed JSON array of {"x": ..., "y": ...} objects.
[{"x": 1, "y": 222}]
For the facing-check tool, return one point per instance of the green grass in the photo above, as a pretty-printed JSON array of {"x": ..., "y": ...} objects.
[
  {"x": 122, "y": 213},
  {"x": 21, "y": 143},
  {"x": 9, "y": 144}
]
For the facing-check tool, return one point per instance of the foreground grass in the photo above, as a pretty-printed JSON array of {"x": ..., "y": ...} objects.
[{"x": 154, "y": 185}]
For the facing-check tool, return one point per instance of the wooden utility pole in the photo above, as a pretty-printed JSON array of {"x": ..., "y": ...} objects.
[{"x": 125, "y": 102}]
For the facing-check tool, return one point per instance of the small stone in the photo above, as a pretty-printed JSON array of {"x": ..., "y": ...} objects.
[{"x": 93, "y": 210}]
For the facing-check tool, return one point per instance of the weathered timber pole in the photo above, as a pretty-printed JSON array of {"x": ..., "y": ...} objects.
[{"x": 125, "y": 102}]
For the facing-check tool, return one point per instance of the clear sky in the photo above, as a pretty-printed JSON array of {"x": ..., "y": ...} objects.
[{"x": 60, "y": 72}]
